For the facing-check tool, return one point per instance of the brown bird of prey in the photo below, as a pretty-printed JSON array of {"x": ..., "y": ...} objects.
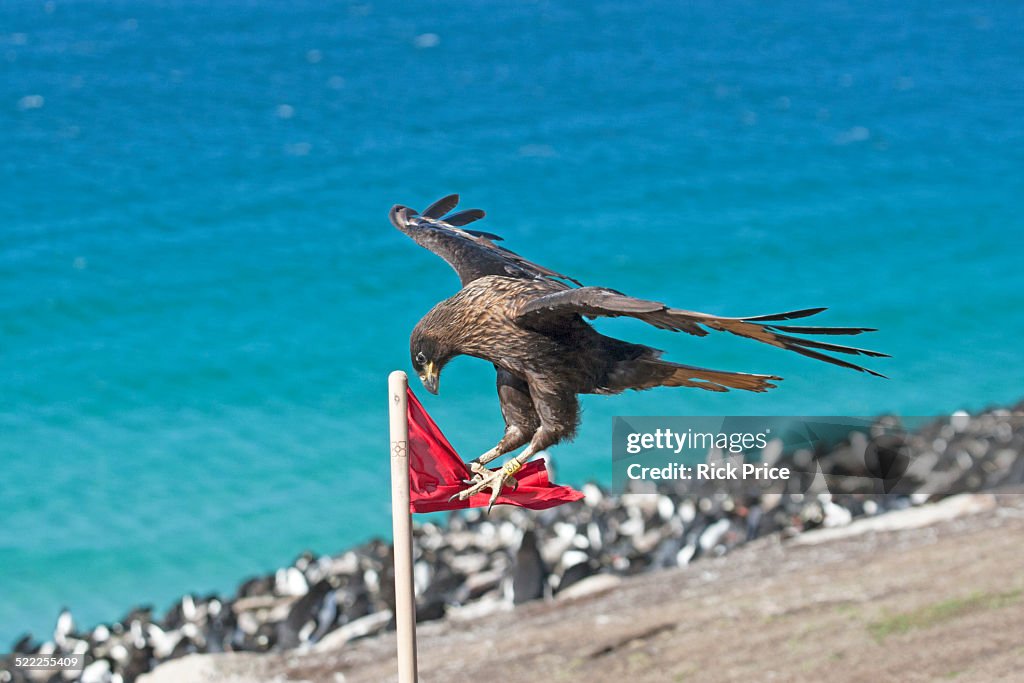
[{"x": 528, "y": 321}]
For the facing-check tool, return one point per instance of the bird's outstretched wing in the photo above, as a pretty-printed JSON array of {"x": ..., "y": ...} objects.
[
  {"x": 472, "y": 253},
  {"x": 551, "y": 311}
]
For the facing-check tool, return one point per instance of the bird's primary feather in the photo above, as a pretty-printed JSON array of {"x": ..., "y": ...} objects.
[
  {"x": 550, "y": 312},
  {"x": 466, "y": 217},
  {"x": 441, "y": 206},
  {"x": 471, "y": 253}
]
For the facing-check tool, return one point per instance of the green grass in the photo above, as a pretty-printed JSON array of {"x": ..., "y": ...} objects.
[{"x": 939, "y": 612}]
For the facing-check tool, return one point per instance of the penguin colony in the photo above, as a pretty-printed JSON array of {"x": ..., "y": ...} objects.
[{"x": 480, "y": 563}]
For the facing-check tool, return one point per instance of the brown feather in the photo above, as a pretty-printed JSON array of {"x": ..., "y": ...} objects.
[{"x": 441, "y": 206}]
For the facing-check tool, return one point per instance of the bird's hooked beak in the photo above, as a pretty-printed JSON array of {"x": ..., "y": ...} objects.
[{"x": 430, "y": 378}]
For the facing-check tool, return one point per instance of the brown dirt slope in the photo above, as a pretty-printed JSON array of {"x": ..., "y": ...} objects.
[{"x": 936, "y": 596}]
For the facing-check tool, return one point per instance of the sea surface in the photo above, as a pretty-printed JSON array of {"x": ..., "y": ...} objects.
[{"x": 201, "y": 296}]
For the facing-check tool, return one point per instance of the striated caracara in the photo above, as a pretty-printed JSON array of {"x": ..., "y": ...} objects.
[{"x": 529, "y": 322}]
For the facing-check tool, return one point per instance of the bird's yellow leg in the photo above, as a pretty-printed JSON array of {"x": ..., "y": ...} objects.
[
  {"x": 515, "y": 436},
  {"x": 478, "y": 466}
]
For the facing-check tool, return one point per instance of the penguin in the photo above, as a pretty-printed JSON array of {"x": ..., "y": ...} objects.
[{"x": 530, "y": 575}]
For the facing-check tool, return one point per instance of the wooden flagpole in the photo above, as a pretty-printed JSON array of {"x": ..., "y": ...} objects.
[{"x": 401, "y": 521}]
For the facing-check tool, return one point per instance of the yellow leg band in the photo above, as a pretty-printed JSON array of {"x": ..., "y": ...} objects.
[{"x": 512, "y": 466}]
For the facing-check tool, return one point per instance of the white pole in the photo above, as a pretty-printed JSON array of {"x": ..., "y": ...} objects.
[{"x": 401, "y": 521}]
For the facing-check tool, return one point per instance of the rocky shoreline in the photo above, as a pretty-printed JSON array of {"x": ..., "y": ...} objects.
[{"x": 477, "y": 564}]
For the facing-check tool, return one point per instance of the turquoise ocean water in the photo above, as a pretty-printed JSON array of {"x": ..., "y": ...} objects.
[{"x": 201, "y": 296}]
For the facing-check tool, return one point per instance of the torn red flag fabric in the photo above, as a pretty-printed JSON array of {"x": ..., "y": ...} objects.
[{"x": 436, "y": 472}]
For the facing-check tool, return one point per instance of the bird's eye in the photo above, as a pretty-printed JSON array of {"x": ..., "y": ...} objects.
[{"x": 420, "y": 358}]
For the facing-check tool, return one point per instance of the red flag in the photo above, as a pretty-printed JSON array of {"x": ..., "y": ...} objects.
[{"x": 436, "y": 472}]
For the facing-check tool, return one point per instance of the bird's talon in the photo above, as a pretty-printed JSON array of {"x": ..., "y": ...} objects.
[
  {"x": 494, "y": 480},
  {"x": 494, "y": 497}
]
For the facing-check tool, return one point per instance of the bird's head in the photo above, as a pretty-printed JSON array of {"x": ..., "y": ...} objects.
[{"x": 429, "y": 356}]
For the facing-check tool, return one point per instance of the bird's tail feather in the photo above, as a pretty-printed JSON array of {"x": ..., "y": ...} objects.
[{"x": 649, "y": 373}]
